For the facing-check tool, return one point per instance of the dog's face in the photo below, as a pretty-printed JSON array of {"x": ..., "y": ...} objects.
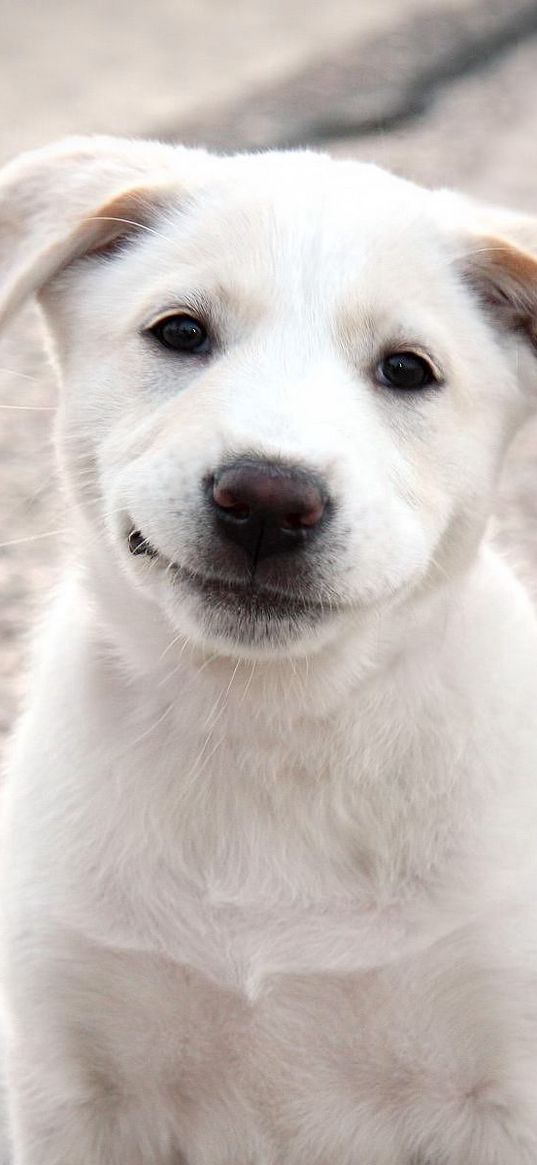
[{"x": 282, "y": 402}]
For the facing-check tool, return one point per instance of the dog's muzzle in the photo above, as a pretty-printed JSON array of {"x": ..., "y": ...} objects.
[{"x": 260, "y": 523}]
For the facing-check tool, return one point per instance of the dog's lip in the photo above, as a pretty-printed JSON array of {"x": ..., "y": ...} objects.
[
  {"x": 254, "y": 596},
  {"x": 247, "y": 590}
]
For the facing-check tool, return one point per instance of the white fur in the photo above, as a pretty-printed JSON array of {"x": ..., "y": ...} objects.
[{"x": 270, "y": 891}]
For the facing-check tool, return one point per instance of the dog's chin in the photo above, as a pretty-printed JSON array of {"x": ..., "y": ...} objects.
[{"x": 247, "y": 620}]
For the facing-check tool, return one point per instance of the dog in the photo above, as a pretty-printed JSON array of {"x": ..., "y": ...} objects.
[{"x": 269, "y": 861}]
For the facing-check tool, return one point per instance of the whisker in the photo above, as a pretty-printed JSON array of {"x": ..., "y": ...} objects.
[
  {"x": 171, "y": 644},
  {"x": 220, "y": 703},
  {"x": 32, "y": 538},
  {"x": 169, "y": 675},
  {"x": 248, "y": 684},
  {"x": 151, "y": 729},
  {"x": 198, "y": 768},
  {"x": 17, "y": 372},
  {"x": 129, "y": 222},
  {"x": 482, "y": 251},
  {"x": 30, "y": 408}
]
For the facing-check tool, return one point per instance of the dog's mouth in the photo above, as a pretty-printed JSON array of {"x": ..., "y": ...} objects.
[
  {"x": 249, "y": 598},
  {"x": 140, "y": 545}
]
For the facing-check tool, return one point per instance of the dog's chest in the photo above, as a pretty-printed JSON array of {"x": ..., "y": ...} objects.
[
  {"x": 274, "y": 1031},
  {"x": 269, "y": 864},
  {"x": 299, "y": 1031},
  {"x": 241, "y": 947},
  {"x": 296, "y": 1067},
  {"x": 284, "y": 1013},
  {"x": 317, "y": 1067}
]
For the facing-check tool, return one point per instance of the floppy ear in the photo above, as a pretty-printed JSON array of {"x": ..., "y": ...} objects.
[
  {"x": 504, "y": 275},
  {"x": 69, "y": 199},
  {"x": 496, "y": 251}
]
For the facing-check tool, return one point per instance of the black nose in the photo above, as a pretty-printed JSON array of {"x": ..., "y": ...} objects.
[{"x": 267, "y": 508}]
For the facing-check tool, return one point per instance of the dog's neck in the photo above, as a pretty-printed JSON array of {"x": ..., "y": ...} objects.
[{"x": 357, "y": 748}]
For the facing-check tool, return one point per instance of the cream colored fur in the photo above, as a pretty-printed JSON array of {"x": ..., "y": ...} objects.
[{"x": 270, "y": 890}]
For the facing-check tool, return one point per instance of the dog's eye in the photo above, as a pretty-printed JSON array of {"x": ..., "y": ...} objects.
[
  {"x": 406, "y": 371},
  {"x": 182, "y": 333}
]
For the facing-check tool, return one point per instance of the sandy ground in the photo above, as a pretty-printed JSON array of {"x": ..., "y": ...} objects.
[
  {"x": 137, "y": 68},
  {"x": 127, "y": 66}
]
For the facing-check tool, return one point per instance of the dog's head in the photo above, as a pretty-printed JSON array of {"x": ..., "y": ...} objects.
[{"x": 287, "y": 381}]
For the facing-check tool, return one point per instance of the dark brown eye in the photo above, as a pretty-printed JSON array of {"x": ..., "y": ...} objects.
[
  {"x": 406, "y": 371},
  {"x": 182, "y": 333}
]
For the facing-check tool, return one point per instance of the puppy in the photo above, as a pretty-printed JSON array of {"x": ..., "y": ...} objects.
[{"x": 269, "y": 869}]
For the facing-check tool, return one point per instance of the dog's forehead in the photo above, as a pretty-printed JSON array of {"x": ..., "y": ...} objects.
[
  {"x": 273, "y": 215},
  {"x": 291, "y": 177},
  {"x": 294, "y": 232},
  {"x": 306, "y": 195}
]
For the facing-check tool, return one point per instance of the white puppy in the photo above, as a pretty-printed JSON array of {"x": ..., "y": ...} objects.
[{"x": 269, "y": 832}]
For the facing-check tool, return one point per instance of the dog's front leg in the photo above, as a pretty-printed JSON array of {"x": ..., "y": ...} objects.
[{"x": 78, "y": 1123}]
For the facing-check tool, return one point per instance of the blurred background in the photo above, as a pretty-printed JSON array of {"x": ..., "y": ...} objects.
[{"x": 442, "y": 91}]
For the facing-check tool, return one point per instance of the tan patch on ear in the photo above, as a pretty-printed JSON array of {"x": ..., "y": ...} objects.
[
  {"x": 509, "y": 260},
  {"x": 126, "y": 214},
  {"x": 505, "y": 277}
]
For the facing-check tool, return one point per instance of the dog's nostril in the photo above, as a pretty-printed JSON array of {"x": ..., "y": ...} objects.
[
  {"x": 303, "y": 521},
  {"x": 227, "y": 501},
  {"x": 239, "y": 510}
]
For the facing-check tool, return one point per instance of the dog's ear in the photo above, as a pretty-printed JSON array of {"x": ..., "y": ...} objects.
[
  {"x": 72, "y": 198},
  {"x": 504, "y": 276},
  {"x": 496, "y": 252}
]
